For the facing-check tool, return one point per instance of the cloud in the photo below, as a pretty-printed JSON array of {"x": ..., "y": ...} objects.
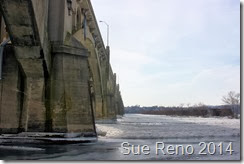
[
  {"x": 129, "y": 67},
  {"x": 168, "y": 52},
  {"x": 207, "y": 86}
]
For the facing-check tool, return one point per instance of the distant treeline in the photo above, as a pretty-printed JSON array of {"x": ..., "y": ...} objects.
[{"x": 203, "y": 110}]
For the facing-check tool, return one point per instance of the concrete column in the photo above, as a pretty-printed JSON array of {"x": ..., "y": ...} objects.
[
  {"x": 120, "y": 104},
  {"x": 105, "y": 107},
  {"x": 33, "y": 113},
  {"x": 10, "y": 93},
  {"x": 71, "y": 103},
  {"x": 99, "y": 106},
  {"x": 105, "y": 78}
]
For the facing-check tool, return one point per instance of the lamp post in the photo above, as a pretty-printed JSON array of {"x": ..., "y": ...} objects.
[{"x": 107, "y": 31}]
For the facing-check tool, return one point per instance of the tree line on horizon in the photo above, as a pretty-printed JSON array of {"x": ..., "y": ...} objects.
[{"x": 230, "y": 108}]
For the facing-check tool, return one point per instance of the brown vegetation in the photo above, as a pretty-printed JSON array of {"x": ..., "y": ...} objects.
[{"x": 197, "y": 111}]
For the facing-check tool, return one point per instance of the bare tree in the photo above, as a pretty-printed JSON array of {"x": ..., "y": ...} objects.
[
  {"x": 232, "y": 98},
  {"x": 181, "y": 105},
  {"x": 200, "y": 104}
]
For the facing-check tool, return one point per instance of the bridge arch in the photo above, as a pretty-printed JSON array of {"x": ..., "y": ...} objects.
[
  {"x": 95, "y": 71},
  {"x": 93, "y": 61}
]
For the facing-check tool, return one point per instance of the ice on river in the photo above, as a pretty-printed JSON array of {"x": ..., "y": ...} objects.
[
  {"x": 138, "y": 126},
  {"x": 138, "y": 129}
]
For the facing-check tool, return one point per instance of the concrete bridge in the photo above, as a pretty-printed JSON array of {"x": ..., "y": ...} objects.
[{"x": 56, "y": 72}]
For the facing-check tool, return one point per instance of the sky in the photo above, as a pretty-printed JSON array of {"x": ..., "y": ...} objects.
[{"x": 171, "y": 52}]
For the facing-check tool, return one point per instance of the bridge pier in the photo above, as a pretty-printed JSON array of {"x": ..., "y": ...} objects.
[
  {"x": 33, "y": 111},
  {"x": 10, "y": 93},
  {"x": 57, "y": 73},
  {"x": 111, "y": 107},
  {"x": 71, "y": 103},
  {"x": 99, "y": 107}
]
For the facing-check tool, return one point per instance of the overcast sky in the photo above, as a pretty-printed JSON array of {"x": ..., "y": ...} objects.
[{"x": 168, "y": 52}]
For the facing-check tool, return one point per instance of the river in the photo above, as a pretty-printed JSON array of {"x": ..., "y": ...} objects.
[{"x": 144, "y": 137}]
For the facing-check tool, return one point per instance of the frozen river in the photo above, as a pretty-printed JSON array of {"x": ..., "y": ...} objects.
[{"x": 158, "y": 138}]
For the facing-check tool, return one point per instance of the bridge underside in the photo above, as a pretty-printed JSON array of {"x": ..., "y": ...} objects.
[
  {"x": 21, "y": 26},
  {"x": 59, "y": 87}
]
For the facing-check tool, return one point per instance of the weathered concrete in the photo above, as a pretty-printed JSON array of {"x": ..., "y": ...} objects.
[
  {"x": 20, "y": 22},
  {"x": 2, "y": 27},
  {"x": 119, "y": 105},
  {"x": 10, "y": 87},
  {"x": 58, "y": 66},
  {"x": 34, "y": 111},
  {"x": 70, "y": 93}
]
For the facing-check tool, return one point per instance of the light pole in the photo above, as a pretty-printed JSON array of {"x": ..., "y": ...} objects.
[{"x": 107, "y": 31}]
